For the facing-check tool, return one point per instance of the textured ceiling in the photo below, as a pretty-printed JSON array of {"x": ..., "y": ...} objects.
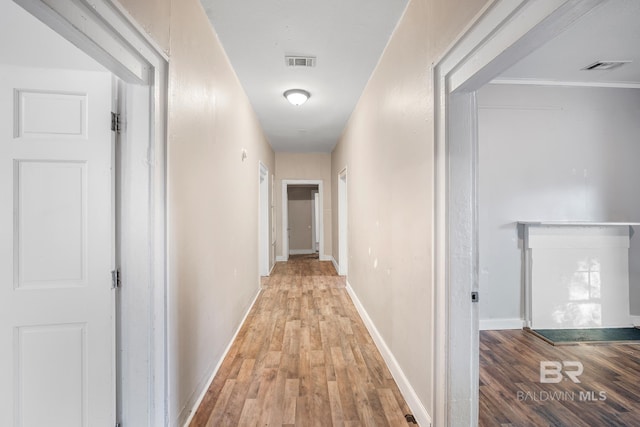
[{"x": 346, "y": 36}]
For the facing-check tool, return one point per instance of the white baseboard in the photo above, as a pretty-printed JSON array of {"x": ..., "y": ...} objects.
[
  {"x": 409, "y": 394},
  {"x": 500, "y": 324},
  {"x": 203, "y": 392},
  {"x": 635, "y": 320},
  {"x": 335, "y": 265},
  {"x": 301, "y": 251},
  {"x": 280, "y": 258}
]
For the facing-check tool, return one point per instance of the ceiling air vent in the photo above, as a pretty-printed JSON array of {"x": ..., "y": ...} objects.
[
  {"x": 605, "y": 65},
  {"x": 300, "y": 61}
]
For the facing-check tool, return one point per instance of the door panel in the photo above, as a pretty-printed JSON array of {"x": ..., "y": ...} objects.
[
  {"x": 56, "y": 248},
  {"x": 50, "y": 374},
  {"x": 42, "y": 114},
  {"x": 50, "y": 222}
]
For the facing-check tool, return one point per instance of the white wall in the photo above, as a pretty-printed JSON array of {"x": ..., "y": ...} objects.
[
  {"x": 551, "y": 153},
  {"x": 213, "y": 198},
  {"x": 213, "y": 195},
  {"x": 388, "y": 149}
]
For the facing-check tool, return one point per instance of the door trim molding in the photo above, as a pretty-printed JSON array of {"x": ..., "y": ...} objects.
[
  {"x": 264, "y": 225},
  {"x": 285, "y": 214},
  {"x": 114, "y": 39},
  {"x": 343, "y": 223}
]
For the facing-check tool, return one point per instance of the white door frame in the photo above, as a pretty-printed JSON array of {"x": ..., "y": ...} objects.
[
  {"x": 105, "y": 31},
  {"x": 314, "y": 218},
  {"x": 285, "y": 213},
  {"x": 273, "y": 225},
  {"x": 504, "y": 32},
  {"x": 343, "y": 221},
  {"x": 263, "y": 220}
]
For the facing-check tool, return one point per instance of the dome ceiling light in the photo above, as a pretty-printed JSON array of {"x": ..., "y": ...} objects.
[{"x": 297, "y": 96}]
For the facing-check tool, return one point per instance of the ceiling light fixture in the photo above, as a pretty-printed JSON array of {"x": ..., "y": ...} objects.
[{"x": 297, "y": 96}]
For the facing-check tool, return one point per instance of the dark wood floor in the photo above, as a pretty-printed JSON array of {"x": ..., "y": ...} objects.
[
  {"x": 511, "y": 393},
  {"x": 303, "y": 358}
]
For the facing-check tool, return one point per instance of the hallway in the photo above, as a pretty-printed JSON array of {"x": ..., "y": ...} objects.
[
  {"x": 209, "y": 111},
  {"x": 303, "y": 357}
]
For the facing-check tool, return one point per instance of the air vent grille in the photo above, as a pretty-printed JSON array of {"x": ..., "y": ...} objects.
[
  {"x": 300, "y": 61},
  {"x": 605, "y": 65}
]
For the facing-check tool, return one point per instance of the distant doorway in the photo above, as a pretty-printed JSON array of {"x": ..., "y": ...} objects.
[{"x": 302, "y": 218}]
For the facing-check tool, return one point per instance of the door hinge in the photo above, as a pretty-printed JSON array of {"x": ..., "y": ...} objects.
[
  {"x": 115, "y": 279},
  {"x": 118, "y": 425},
  {"x": 115, "y": 122},
  {"x": 475, "y": 296}
]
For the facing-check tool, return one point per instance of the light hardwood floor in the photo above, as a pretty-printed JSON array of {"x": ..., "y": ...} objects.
[
  {"x": 511, "y": 393},
  {"x": 303, "y": 358}
]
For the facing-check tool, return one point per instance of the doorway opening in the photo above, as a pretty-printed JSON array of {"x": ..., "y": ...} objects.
[
  {"x": 302, "y": 218},
  {"x": 56, "y": 191},
  {"x": 103, "y": 32},
  {"x": 503, "y": 33}
]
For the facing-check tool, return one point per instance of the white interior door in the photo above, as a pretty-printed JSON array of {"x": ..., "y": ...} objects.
[{"x": 56, "y": 249}]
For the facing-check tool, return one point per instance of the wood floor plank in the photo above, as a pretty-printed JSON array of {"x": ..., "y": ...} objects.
[
  {"x": 275, "y": 411},
  {"x": 303, "y": 357},
  {"x": 249, "y": 414},
  {"x": 350, "y": 409},
  {"x": 337, "y": 419},
  {"x": 291, "y": 394},
  {"x": 392, "y": 410},
  {"x": 319, "y": 398},
  {"x": 217, "y": 415}
]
